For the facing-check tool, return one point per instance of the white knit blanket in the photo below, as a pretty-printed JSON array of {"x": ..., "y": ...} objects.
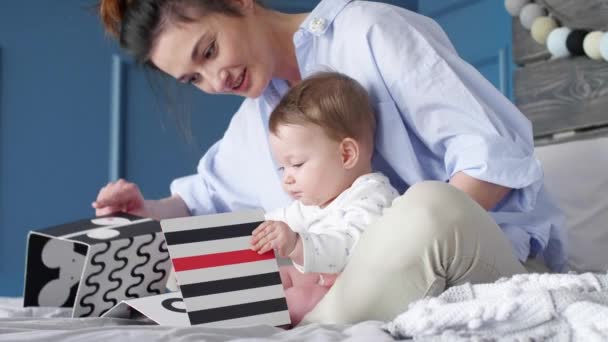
[{"x": 525, "y": 307}]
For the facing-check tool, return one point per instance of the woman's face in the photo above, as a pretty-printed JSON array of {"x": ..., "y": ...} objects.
[{"x": 219, "y": 54}]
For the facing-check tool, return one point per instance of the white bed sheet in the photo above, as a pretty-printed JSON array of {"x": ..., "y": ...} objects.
[
  {"x": 576, "y": 175},
  {"x": 51, "y": 324}
]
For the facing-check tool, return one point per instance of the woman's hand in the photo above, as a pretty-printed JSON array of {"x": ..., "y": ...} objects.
[
  {"x": 119, "y": 196},
  {"x": 274, "y": 235},
  {"x": 126, "y": 197}
]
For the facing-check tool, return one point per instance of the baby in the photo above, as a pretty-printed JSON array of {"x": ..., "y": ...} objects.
[{"x": 322, "y": 138}]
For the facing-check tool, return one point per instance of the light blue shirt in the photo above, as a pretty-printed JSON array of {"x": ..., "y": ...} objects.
[{"x": 436, "y": 116}]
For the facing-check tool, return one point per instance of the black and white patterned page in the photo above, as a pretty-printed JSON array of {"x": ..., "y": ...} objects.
[{"x": 223, "y": 282}]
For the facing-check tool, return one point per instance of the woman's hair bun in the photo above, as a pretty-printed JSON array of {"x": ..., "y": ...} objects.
[{"x": 112, "y": 13}]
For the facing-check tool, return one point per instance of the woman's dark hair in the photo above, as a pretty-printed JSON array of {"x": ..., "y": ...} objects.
[{"x": 138, "y": 23}]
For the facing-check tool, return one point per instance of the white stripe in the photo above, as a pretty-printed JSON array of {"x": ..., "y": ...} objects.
[
  {"x": 210, "y": 221},
  {"x": 67, "y": 236},
  {"x": 227, "y": 272},
  {"x": 273, "y": 318},
  {"x": 209, "y": 247},
  {"x": 223, "y": 299}
]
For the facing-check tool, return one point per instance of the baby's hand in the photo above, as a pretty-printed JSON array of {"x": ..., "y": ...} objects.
[
  {"x": 327, "y": 279},
  {"x": 119, "y": 196},
  {"x": 274, "y": 234}
]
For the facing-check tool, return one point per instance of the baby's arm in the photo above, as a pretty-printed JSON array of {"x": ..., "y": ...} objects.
[
  {"x": 286, "y": 221},
  {"x": 326, "y": 247},
  {"x": 273, "y": 235}
]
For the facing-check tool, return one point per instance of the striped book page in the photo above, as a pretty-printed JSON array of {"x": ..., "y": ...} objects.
[{"x": 223, "y": 282}]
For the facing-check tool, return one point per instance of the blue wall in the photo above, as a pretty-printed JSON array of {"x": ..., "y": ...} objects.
[
  {"x": 59, "y": 82},
  {"x": 64, "y": 87}
]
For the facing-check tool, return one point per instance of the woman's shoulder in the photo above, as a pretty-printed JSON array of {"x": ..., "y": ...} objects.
[
  {"x": 364, "y": 34},
  {"x": 364, "y": 15},
  {"x": 367, "y": 19}
]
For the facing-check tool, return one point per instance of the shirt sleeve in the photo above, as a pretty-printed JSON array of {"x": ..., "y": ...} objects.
[
  {"x": 279, "y": 214},
  {"x": 220, "y": 185},
  {"x": 294, "y": 216},
  {"x": 193, "y": 191},
  {"x": 452, "y": 109},
  {"x": 327, "y": 246}
]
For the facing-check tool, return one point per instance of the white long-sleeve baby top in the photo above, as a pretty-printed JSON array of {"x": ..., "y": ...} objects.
[{"x": 329, "y": 234}]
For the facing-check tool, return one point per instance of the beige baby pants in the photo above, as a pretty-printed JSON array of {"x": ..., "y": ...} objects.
[{"x": 433, "y": 237}]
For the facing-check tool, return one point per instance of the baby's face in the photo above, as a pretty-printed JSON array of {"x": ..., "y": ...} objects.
[{"x": 310, "y": 163}]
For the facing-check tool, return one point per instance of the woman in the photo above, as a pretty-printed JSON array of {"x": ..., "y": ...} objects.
[{"x": 475, "y": 208}]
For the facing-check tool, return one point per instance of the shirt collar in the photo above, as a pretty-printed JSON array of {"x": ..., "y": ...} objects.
[{"x": 323, "y": 15}]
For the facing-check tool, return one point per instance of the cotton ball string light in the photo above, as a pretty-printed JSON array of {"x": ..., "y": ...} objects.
[
  {"x": 560, "y": 41},
  {"x": 556, "y": 42},
  {"x": 541, "y": 27},
  {"x": 530, "y": 12},
  {"x": 604, "y": 46},
  {"x": 514, "y": 6},
  {"x": 574, "y": 42},
  {"x": 591, "y": 45}
]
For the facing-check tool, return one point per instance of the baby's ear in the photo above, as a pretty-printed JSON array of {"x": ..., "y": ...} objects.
[{"x": 349, "y": 149}]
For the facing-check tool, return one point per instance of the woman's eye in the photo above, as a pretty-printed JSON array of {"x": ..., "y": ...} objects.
[
  {"x": 210, "y": 51},
  {"x": 298, "y": 165},
  {"x": 195, "y": 79}
]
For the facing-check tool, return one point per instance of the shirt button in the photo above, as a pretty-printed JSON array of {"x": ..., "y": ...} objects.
[{"x": 317, "y": 25}]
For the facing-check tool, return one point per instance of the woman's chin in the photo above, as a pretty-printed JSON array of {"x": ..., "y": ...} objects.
[{"x": 255, "y": 90}]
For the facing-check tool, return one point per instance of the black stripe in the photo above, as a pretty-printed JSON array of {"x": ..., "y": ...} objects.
[
  {"x": 131, "y": 230},
  {"x": 69, "y": 228},
  {"x": 237, "y": 311},
  {"x": 232, "y": 284},
  {"x": 77, "y": 226},
  {"x": 209, "y": 234}
]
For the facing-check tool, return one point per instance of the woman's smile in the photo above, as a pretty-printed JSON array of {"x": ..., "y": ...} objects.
[{"x": 242, "y": 82}]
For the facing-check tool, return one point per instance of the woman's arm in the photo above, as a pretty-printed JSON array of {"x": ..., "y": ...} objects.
[
  {"x": 165, "y": 208},
  {"x": 485, "y": 193},
  {"x": 458, "y": 115}
]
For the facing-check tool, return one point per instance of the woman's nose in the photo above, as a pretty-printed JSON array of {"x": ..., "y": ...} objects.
[
  {"x": 218, "y": 83},
  {"x": 217, "y": 80},
  {"x": 222, "y": 81}
]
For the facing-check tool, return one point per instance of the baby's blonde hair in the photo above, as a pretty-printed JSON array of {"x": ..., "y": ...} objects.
[{"x": 333, "y": 101}]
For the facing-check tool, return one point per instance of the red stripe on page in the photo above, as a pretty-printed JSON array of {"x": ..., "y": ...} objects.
[{"x": 219, "y": 259}]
